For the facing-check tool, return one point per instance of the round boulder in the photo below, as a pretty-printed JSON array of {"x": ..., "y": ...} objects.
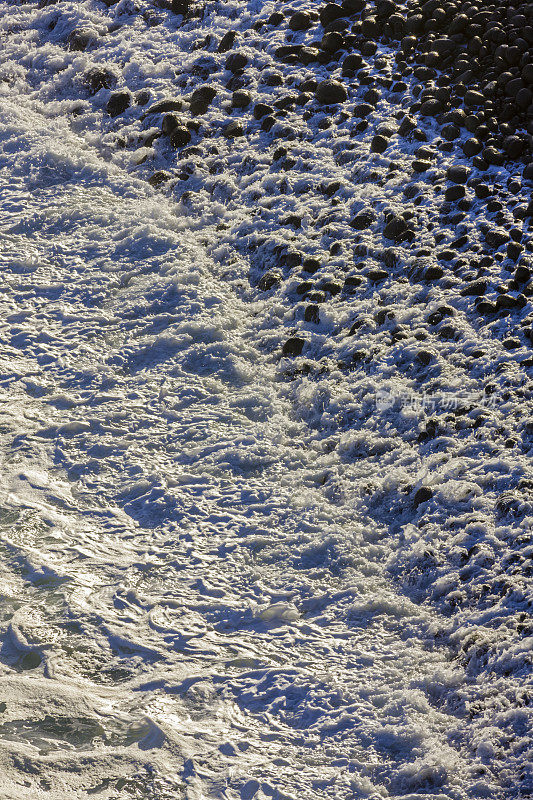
[{"x": 331, "y": 92}]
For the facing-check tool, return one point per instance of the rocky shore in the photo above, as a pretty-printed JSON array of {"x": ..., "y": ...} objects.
[{"x": 363, "y": 171}]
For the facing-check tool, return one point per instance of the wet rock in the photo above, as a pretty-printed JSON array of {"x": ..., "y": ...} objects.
[
  {"x": 351, "y": 64},
  {"x": 159, "y": 178},
  {"x": 471, "y": 147},
  {"x": 293, "y": 346},
  {"x": 331, "y": 42},
  {"x": 308, "y": 55},
  {"x": 407, "y": 125},
  {"x": 493, "y": 156},
  {"x": 363, "y": 221},
  {"x": 496, "y": 238},
  {"x": 169, "y": 104},
  {"x": 227, "y": 41},
  {"x": 180, "y": 137},
  {"x": 454, "y": 193},
  {"x": 312, "y": 314},
  {"x": 201, "y": 99},
  {"x": 330, "y": 12},
  {"x": 236, "y": 62},
  {"x": 331, "y": 92},
  {"x": 269, "y": 280},
  {"x": 118, "y": 103},
  {"x": 169, "y": 123},
  {"x": 81, "y": 39},
  {"x": 397, "y": 229},
  {"x": 142, "y": 97},
  {"x": 514, "y": 250},
  {"x": 522, "y": 274},
  {"x": 473, "y": 99},
  {"x": 377, "y": 275},
  {"x": 475, "y": 289},
  {"x": 451, "y": 132},
  {"x": 506, "y": 301},
  {"x": 422, "y": 495},
  {"x": 300, "y": 21},
  {"x": 99, "y": 78},
  {"x": 233, "y": 129},
  {"x": 421, "y": 165},
  {"x": 457, "y": 173},
  {"x": 482, "y": 191},
  {"x": 362, "y": 110},
  {"x": 180, "y": 6},
  {"x": 379, "y": 144},
  {"x": 311, "y": 265},
  {"x": 241, "y": 99},
  {"x": 276, "y": 18},
  {"x": 262, "y": 110}
]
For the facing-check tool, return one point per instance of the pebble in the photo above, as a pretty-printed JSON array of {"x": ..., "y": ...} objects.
[
  {"x": 233, "y": 129},
  {"x": 241, "y": 99},
  {"x": 293, "y": 346},
  {"x": 180, "y": 136},
  {"x": 118, "y": 103},
  {"x": 331, "y": 92},
  {"x": 300, "y": 21},
  {"x": 236, "y": 61}
]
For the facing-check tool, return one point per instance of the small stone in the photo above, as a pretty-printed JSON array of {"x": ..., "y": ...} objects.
[
  {"x": 180, "y": 136},
  {"x": 506, "y": 301},
  {"x": 293, "y": 346},
  {"x": 227, "y": 41},
  {"x": 262, "y": 110},
  {"x": 269, "y": 280},
  {"x": 331, "y": 92},
  {"x": 142, "y": 97},
  {"x": 397, "y": 229},
  {"x": 482, "y": 191},
  {"x": 473, "y": 98},
  {"x": 451, "y": 132},
  {"x": 158, "y": 178},
  {"x": 496, "y": 237},
  {"x": 511, "y": 344},
  {"x": 522, "y": 274},
  {"x": 201, "y": 99},
  {"x": 475, "y": 289},
  {"x": 81, "y": 39},
  {"x": 170, "y": 104},
  {"x": 312, "y": 314},
  {"x": 241, "y": 99},
  {"x": 300, "y": 21},
  {"x": 514, "y": 250},
  {"x": 493, "y": 156},
  {"x": 377, "y": 275},
  {"x": 351, "y": 63},
  {"x": 180, "y": 6},
  {"x": 363, "y": 220},
  {"x": 407, "y": 125},
  {"x": 169, "y": 123},
  {"x": 420, "y": 165},
  {"x": 422, "y": 495},
  {"x": 379, "y": 144},
  {"x": 457, "y": 173},
  {"x": 118, "y": 103},
  {"x": 236, "y": 62},
  {"x": 233, "y": 129},
  {"x": 454, "y": 193},
  {"x": 99, "y": 78},
  {"x": 330, "y": 12},
  {"x": 433, "y": 273},
  {"x": 471, "y": 147},
  {"x": 331, "y": 42}
]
